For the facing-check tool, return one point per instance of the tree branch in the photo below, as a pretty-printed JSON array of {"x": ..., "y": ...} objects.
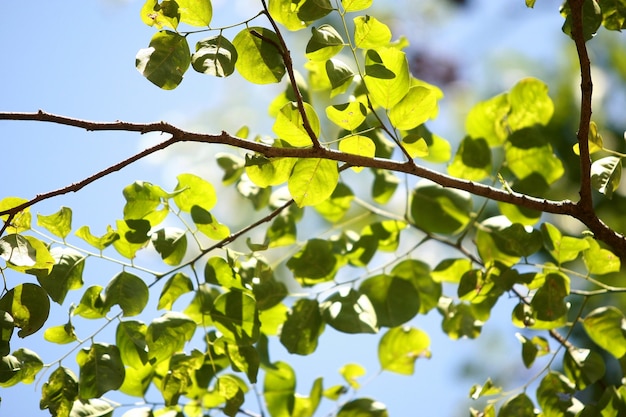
[
  {"x": 586, "y": 88},
  {"x": 564, "y": 207}
]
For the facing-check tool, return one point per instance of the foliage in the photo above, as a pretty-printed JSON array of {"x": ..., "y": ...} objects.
[{"x": 196, "y": 335}]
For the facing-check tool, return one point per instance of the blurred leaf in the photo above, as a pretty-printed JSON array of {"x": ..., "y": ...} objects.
[
  {"x": 166, "y": 59},
  {"x": 520, "y": 405},
  {"x": 583, "y": 367},
  {"x": 363, "y": 407},
  {"x": 384, "y": 186},
  {"x": 167, "y": 335},
  {"x": 232, "y": 165},
  {"x": 351, "y": 372},
  {"x": 592, "y": 18},
  {"x": 436, "y": 209},
  {"x": 400, "y": 347},
  {"x": 472, "y": 160},
  {"x": 355, "y": 5},
  {"x": 260, "y": 60},
  {"x": 549, "y": 300},
  {"x": 303, "y": 327},
  {"x": 98, "y": 242},
  {"x": 605, "y": 326},
  {"x": 279, "y": 388},
  {"x": 600, "y": 261},
  {"x": 59, "y": 392},
  {"x": 530, "y": 104},
  {"x": 335, "y": 207},
  {"x": 487, "y": 120},
  {"x": 488, "y": 388}
]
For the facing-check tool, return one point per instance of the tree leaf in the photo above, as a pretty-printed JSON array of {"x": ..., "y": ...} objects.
[
  {"x": 167, "y": 335},
  {"x": 163, "y": 14},
  {"x": 289, "y": 124},
  {"x": 339, "y": 75},
  {"x": 191, "y": 190},
  {"x": 394, "y": 299},
  {"x": 130, "y": 338},
  {"x": 316, "y": 262},
  {"x": 583, "y": 367},
  {"x": 21, "y": 221},
  {"x": 472, "y": 160},
  {"x": 59, "y": 223},
  {"x": 260, "y": 60},
  {"x": 195, "y": 13},
  {"x": 562, "y": 248},
  {"x": 530, "y": 104},
  {"x": 66, "y": 274},
  {"x": 101, "y": 370},
  {"x": 313, "y": 181},
  {"x": 520, "y": 405},
  {"x": 129, "y": 292},
  {"x": 606, "y": 174},
  {"x": 207, "y": 224},
  {"x": 235, "y": 314},
  {"x": 436, "y": 209},
  {"x": 171, "y": 244},
  {"x": 304, "y": 325},
  {"x": 487, "y": 120},
  {"x": 92, "y": 305},
  {"x": 549, "y": 300},
  {"x": 386, "y": 76},
  {"x": 600, "y": 261},
  {"x": 347, "y": 116},
  {"x": 355, "y": 5},
  {"x": 605, "y": 326},
  {"x": 174, "y": 287},
  {"x": 400, "y": 347},
  {"x": 215, "y": 56},
  {"x": 59, "y": 392},
  {"x": 279, "y": 388},
  {"x": 299, "y": 15},
  {"x": 22, "y": 366},
  {"x": 363, "y": 407},
  {"x": 350, "y": 312},
  {"x": 369, "y": 32},
  {"x": 165, "y": 61},
  {"x": 358, "y": 145},
  {"x": 101, "y": 242},
  {"x": 61, "y": 334},
  {"x": 29, "y": 306},
  {"x": 415, "y": 108},
  {"x": 325, "y": 42}
]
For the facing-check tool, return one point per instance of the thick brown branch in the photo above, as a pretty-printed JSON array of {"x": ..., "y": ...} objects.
[
  {"x": 586, "y": 88},
  {"x": 565, "y": 207}
]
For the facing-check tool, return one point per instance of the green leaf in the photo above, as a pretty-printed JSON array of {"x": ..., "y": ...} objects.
[
  {"x": 363, "y": 407},
  {"x": 92, "y": 305},
  {"x": 171, "y": 244},
  {"x": 165, "y": 61},
  {"x": 22, "y": 366},
  {"x": 7, "y": 325},
  {"x": 59, "y": 392},
  {"x": 298, "y": 15},
  {"x": 163, "y": 14},
  {"x": 191, "y": 190},
  {"x": 488, "y": 388},
  {"x": 61, "y": 334},
  {"x": 530, "y": 3},
  {"x": 313, "y": 181},
  {"x": 260, "y": 60},
  {"x": 232, "y": 165},
  {"x": 384, "y": 185},
  {"x": 351, "y": 372},
  {"x": 167, "y": 335},
  {"x": 530, "y": 104},
  {"x": 355, "y": 5},
  {"x": 350, "y": 312},
  {"x": 583, "y": 366},
  {"x": 594, "y": 140},
  {"x": 315, "y": 263},
  {"x": 549, "y": 301},
  {"x": 562, "y": 248},
  {"x": 386, "y": 76},
  {"x": 336, "y": 206},
  {"x": 436, "y": 209},
  {"x": 613, "y": 15},
  {"x": 459, "y": 320},
  {"x": 176, "y": 286},
  {"x": 214, "y": 56},
  {"x": 417, "y": 106},
  {"x": 29, "y": 306},
  {"x": 592, "y": 18},
  {"x": 303, "y": 327},
  {"x": 235, "y": 314},
  {"x": 101, "y": 370},
  {"x": 59, "y": 223},
  {"x": 306, "y": 406},
  {"x": 21, "y": 221},
  {"x": 358, "y": 145},
  {"x": 528, "y": 152},
  {"x": 472, "y": 160},
  {"x": 605, "y": 326},
  {"x": 600, "y": 261},
  {"x": 400, "y": 347},
  {"x": 130, "y": 338},
  {"x": 554, "y": 394},
  {"x": 143, "y": 201},
  {"x": 229, "y": 388},
  {"x": 101, "y": 242},
  {"x": 25, "y": 253},
  {"x": 532, "y": 348},
  {"x": 451, "y": 270},
  {"x": 487, "y": 120},
  {"x": 66, "y": 274},
  {"x": 369, "y": 32},
  {"x": 289, "y": 124},
  {"x": 129, "y": 292},
  {"x": 279, "y": 389},
  {"x": 518, "y": 406},
  {"x": 92, "y": 408},
  {"x": 207, "y": 224},
  {"x": 419, "y": 274},
  {"x": 534, "y": 185},
  {"x": 195, "y": 13},
  {"x": 394, "y": 299},
  {"x": 137, "y": 381},
  {"x": 606, "y": 174},
  {"x": 217, "y": 271},
  {"x": 266, "y": 172},
  {"x": 199, "y": 310},
  {"x": 347, "y": 116},
  {"x": 339, "y": 74},
  {"x": 245, "y": 359},
  {"x": 325, "y": 43}
]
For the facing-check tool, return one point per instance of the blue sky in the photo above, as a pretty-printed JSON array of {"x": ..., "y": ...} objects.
[{"x": 76, "y": 58}]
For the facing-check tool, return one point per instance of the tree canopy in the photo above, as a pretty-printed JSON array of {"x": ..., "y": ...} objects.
[{"x": 351, "y": 214}]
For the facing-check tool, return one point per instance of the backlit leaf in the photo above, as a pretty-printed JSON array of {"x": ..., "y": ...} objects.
[
  {"x": 61, "y": 334},
  {"x": 66, "y": 274},
  {"x": 313, "y": 181},
  {"x": 207, "y": 224},
  {"x": 316, "y": 262},
  {"x": 194, "y": 191},
  {"x": 165, "y": 61},
  {"x": 358, "y": 145},
  {"x": 415, "y": 108},
  {"x": 562, "y": 248},
  {"x": 29, "y": 306},
  {"x": 606, "y": 174},
  {"x": 298, "y": 15},
  {"x": 350, "y": 312},
  {"x": 21, "y": 221},
  {"x": 369, "y": 32},
  {"x": 395, "y": 300},
  {"x": 101, "y": 370},
  {"x": 583, "y": 367},
  {"x": 174, "y": 287},
  {"x": 289, "y": 125},
  {"x": 440, "y": 210},
  {"x": 400, "y": 347},
  {"x": 260, "y": 60},
  {"x": 98, "y": 242},
  {"x": 59, "y": 392},
  {"x": 167, "y": 335},
  {"x": 605, "y": 326},
  {"x": 303, "y": 327},
  {"x": 195, "y": 13},
  {"x": 530, "y": 104},
  {"x": 363, "y": 407},
  {"x": 355, "y": 5},
  {"x": 215, "y": 56},
  {"x": 347, "y": 116},
  {"x": 236, "y": 316},
  {"x": 171, "y": 244},
  {"x": 600, "y": 261},
  {"x": 130, "y": 338},
  {"x": 279, "y": 388},
  {"x": 325, "y": 43},
  {"x": 472, "y": 160},
  {"x": 59, "y": 223},
  {"x": 129, "y": 292},
  {"x": 386, "y": 76}
]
